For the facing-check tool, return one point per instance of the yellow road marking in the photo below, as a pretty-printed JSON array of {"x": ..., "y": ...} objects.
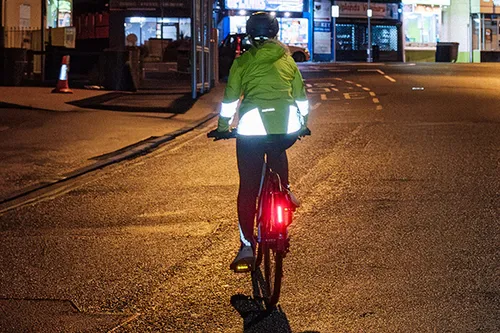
[{"x": 389, "y": 78}]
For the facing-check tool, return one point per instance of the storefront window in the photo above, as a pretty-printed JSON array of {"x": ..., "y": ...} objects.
[
  {"x": 485, "y": 30},
  {"x": 237, "y": 24},
  {"x": 346, "y": 37},
  {"x": 293, "y": 31},
  {"x": 385, "y": 37},
  {"x": 352, "y": 37},
  {"x": 268, "y": 5},
  {"x": 142, "y": 29},
  {"x": 421, "y": 24},
  {"x": 59, "y": 13}
]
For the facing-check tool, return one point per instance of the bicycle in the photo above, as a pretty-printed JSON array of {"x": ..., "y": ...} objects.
[{"x": 275, "y": 210}]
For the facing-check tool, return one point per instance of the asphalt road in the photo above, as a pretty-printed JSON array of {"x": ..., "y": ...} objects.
[{"x": 398, "y": 231}]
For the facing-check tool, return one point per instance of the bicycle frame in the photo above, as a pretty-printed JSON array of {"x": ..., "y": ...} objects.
[{"x": 274, "y": 212}]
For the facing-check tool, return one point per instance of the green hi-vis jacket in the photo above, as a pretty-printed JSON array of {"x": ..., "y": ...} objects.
[{"x": 274, "y": 97}]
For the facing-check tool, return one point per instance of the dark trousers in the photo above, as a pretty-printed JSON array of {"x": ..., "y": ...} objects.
[{"x": 250, "y": 152}]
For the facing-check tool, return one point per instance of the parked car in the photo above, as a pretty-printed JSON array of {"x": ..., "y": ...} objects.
[{"x": 235, "y": 43}]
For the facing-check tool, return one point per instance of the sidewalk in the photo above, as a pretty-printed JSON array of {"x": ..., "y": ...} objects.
[{"x": 81, "y": 132}]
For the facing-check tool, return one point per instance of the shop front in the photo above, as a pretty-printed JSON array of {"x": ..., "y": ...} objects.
[
  {"x": 423, "y": 28},
  {"x": 292, "y": 19},
  {"x": 485, "y": 17},
  {"x": 151, "y": 25},
  {"x": 352, "y": 31},
  {"x": 156, "y": 35}
]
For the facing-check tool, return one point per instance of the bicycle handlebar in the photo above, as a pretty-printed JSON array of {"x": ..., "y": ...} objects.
[
  {"x": 232, "y": 134},
  {"x": 216, "y": 135}
]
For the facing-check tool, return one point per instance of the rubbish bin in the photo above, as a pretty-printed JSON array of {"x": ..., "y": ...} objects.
[
  {"x": 14, "y": 66},
  {"x": 446, "y": 52},
  {"x": 375, "y": 53}
]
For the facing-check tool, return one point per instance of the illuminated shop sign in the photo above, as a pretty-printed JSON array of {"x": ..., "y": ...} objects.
[
  {"x": 146, "y": 4},
  {"x": 269, "y": 5},
  {"x": 427, "y": 2},
  {"x": 358, "y": 9}
]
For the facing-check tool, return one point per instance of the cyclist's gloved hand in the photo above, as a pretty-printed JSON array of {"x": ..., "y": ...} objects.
[
  {"x": 304, "y": 132},
  {"x": 219, "y": 135}
]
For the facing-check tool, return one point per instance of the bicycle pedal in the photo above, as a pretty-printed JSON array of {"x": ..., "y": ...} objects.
[{"x": 242, "y": 268}]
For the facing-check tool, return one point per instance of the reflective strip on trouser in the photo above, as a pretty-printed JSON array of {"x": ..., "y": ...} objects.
[{"x": 243, "y": 239}]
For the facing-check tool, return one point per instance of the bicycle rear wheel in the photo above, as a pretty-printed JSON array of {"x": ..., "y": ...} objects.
[{"x": 273, "y": 274}]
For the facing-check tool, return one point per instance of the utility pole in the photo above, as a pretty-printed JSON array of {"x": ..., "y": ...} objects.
[
  {"x": 369, "y": 46},
  {"x": 1, "y": 24},
  {"x": 335, "y": 14},
  {"x": 42, "y": 39},
  {"x": 161, "y": 31},
  {"x": 202, "y": 59},
  {"x": 194, "y": 37}
]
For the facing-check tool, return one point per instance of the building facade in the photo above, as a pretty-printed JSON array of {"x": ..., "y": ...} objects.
[{"x": 310, "y": 24}]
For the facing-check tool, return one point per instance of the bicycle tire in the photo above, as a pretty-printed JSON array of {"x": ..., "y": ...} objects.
[{"x": 273, "y": 274}]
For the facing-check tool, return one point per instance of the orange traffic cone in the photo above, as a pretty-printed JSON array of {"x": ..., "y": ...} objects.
[{"x": 62, "y": 84}]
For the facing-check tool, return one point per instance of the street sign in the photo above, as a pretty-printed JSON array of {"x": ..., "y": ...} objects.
[{"x": 335, "y": 11}]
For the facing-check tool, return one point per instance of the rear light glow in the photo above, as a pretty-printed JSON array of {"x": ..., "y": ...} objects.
[{"x": 279, "y": 211}]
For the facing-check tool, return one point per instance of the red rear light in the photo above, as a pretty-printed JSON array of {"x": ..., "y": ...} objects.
[{"x": 279, "y": 213}]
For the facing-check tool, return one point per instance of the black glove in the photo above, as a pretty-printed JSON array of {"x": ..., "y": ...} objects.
[
  {"x": 304, "y": 132},
  {"x": 220, "y": 135}
]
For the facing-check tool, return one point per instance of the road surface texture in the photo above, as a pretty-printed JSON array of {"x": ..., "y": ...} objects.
[{"x": 398, "y": 230}]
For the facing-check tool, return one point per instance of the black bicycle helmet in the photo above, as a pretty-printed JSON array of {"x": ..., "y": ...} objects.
[{"x": 262, "y": 24}]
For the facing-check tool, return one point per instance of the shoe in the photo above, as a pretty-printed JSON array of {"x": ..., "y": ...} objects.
[
  {"x": 292, "y": 197},
  {"x": 244, "y": 261}
]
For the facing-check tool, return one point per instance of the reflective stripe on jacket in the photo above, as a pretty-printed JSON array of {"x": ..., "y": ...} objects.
[{"x": 274, "y": 97}]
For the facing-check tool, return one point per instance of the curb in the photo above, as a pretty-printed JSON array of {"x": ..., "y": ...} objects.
[
  {"x": 32, "y": 194},
  {"x": 5, "y": 105}
]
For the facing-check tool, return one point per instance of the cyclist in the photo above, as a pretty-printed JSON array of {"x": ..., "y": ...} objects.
[{"x": 272, "y": 115}]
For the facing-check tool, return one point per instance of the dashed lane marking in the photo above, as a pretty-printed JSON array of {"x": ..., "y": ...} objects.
[
  {"x": 389, "y": 78},
  {"x": 329, "y": 98},
  {"x": 315, "y": 106}
]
